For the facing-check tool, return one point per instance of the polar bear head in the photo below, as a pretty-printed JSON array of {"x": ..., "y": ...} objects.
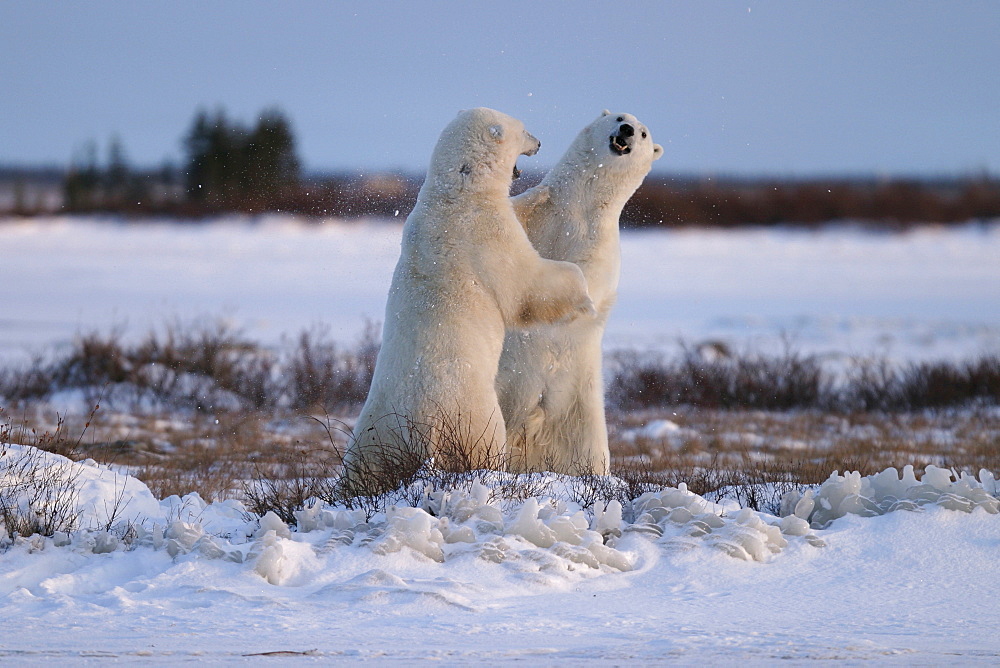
[
  {"x": 626, "y": 138},
  {"x": 478, "y": 150},
  {"x": 606, "y": 162}
]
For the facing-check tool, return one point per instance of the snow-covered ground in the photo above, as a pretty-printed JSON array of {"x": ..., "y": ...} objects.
[
  {"x": 883, "y": 569},
  {"x": 928, "y": 293},
  {"x": 890, "y": 570}
]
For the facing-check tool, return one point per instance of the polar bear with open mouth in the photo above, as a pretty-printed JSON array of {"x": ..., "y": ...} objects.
[{"x": 550, "y": 383}]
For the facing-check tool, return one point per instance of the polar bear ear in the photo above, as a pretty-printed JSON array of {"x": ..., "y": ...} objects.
[
  {"x": 496, "y": 131},
  {"x": 657, "y": 151},
  {"x": 605, "y": 113}
]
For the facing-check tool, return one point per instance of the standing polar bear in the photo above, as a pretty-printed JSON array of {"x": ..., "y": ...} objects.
[
  {"x": 466, "y": 273},
  {"x": 549, "y": 382}
]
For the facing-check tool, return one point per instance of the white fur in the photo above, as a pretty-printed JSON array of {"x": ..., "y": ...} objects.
[
  {"x": 466, "y": 272},
  {"x": 549, "y": 382}
]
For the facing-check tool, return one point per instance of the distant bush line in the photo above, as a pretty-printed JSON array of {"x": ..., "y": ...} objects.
[
  {"x": 212, "y": 368},
  {"x": 662, "y": 201},
  {"x": 207, "y": 368},
  {"x": 231, "y": 167},
  {"x": 791, "y": 381}
]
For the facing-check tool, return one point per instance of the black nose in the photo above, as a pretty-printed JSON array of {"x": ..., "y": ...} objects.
[{"x": 626, "y": 130}]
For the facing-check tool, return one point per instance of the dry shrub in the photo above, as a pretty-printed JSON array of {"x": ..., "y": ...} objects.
[
  {"x": 922, "y": 385},
  {"x": 794, "y": 381},
  {"x": 283, "y": 484},
  {"x": 321, "y": 375},
  {"x": 210, "y": 456},
  {"x": 37, "y": 497},
  {"x": 213, "y": 368},
  {"x": 752, "y": 380},
  {"x": 208, "y": 367},
  {"x": 437, "y": 452}
]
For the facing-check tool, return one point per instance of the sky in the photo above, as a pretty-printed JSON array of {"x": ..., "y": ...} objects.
[{"x": 740, "y": 88}]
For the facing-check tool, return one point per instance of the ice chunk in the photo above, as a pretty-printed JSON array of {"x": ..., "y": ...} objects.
[
  {"x": 923, "y": 494},
  {"x": 181, "y": 537},
  {"x": 956, "y": 502},
  {"x": 311, "y": 518},
  {"x": 711, "y": 519},
  {"x": 610, "y": 556},
  {"x": 268, "y": 555},
  {"x": 730, "y": 548},
  {"x": 794, "y": 525},
  {"x": 937, "y": 478},
  {"x": 804, "y": 506},
  {"x": 565, "y": 530},
  {"x": 271, "y": 522},
  {"x": 607, "y": 519},
  {"x": 412, "y": 528},
  {"x": 749, "y": 540},
  {"x": 657, "y": 514},
  {"x": 59, "y": 538},
  {"x": 104, "y": 542},
  {"x": 576, "y": 554},
  {"x": 489, "y": 514},
  {"x": 461, "y": 534},
  {"x": 680, "y": 516},
  {"x": 527, "y": 525},
  {"x": 698, "y": 528},
  {"x": 788, "y": 502},
  {"x": 887, "y": 491},
  {"x": 645, "y": 528},
  {"x": 988, "y": 482},
  {"x": 210, "y": 548},
  {"x": 856, "y": 504},
  {"x": 479, "y": 493}
]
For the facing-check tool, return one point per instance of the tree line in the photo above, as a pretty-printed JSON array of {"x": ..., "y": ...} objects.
[
  {"x": 227, "y": 166},
  {"x": 231, "y": 166}
]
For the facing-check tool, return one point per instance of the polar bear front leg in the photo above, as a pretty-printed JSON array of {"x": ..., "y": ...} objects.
[{"x": 558, "y": 293}]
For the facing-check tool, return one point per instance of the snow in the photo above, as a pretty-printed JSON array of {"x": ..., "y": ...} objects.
[
  {"x": 465, "y": 577},
  {"x": 887, "y": 568},
  {"x": 932, "y": 292},
  {"x": 663, "y": 431}
]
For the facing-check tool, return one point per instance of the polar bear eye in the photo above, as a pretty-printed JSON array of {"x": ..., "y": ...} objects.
[
  {"x": 620, "y": 119},
  {"x": 643, "y": 134}
]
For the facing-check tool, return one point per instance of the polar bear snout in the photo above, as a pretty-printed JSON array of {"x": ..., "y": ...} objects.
[
  {"x": 621, "y": 141},
  {"x": 531, "y": 145}
]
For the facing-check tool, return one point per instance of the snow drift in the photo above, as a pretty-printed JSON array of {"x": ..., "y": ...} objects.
[
  {"x": 466, "y": 575},
  {"x": 109, "y": 510}
]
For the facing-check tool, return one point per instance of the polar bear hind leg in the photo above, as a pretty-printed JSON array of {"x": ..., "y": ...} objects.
[
  {"x": 564, "y": 430},
  {"x": 539, "y": 444}
]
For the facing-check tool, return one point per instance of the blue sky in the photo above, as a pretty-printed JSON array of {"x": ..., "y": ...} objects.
[{"x": 781, "y": 88}]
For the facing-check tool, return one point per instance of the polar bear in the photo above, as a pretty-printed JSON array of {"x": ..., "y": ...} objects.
[
  {"x": 549, "y": 382},
  {"x": 466, "y": 273}
]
